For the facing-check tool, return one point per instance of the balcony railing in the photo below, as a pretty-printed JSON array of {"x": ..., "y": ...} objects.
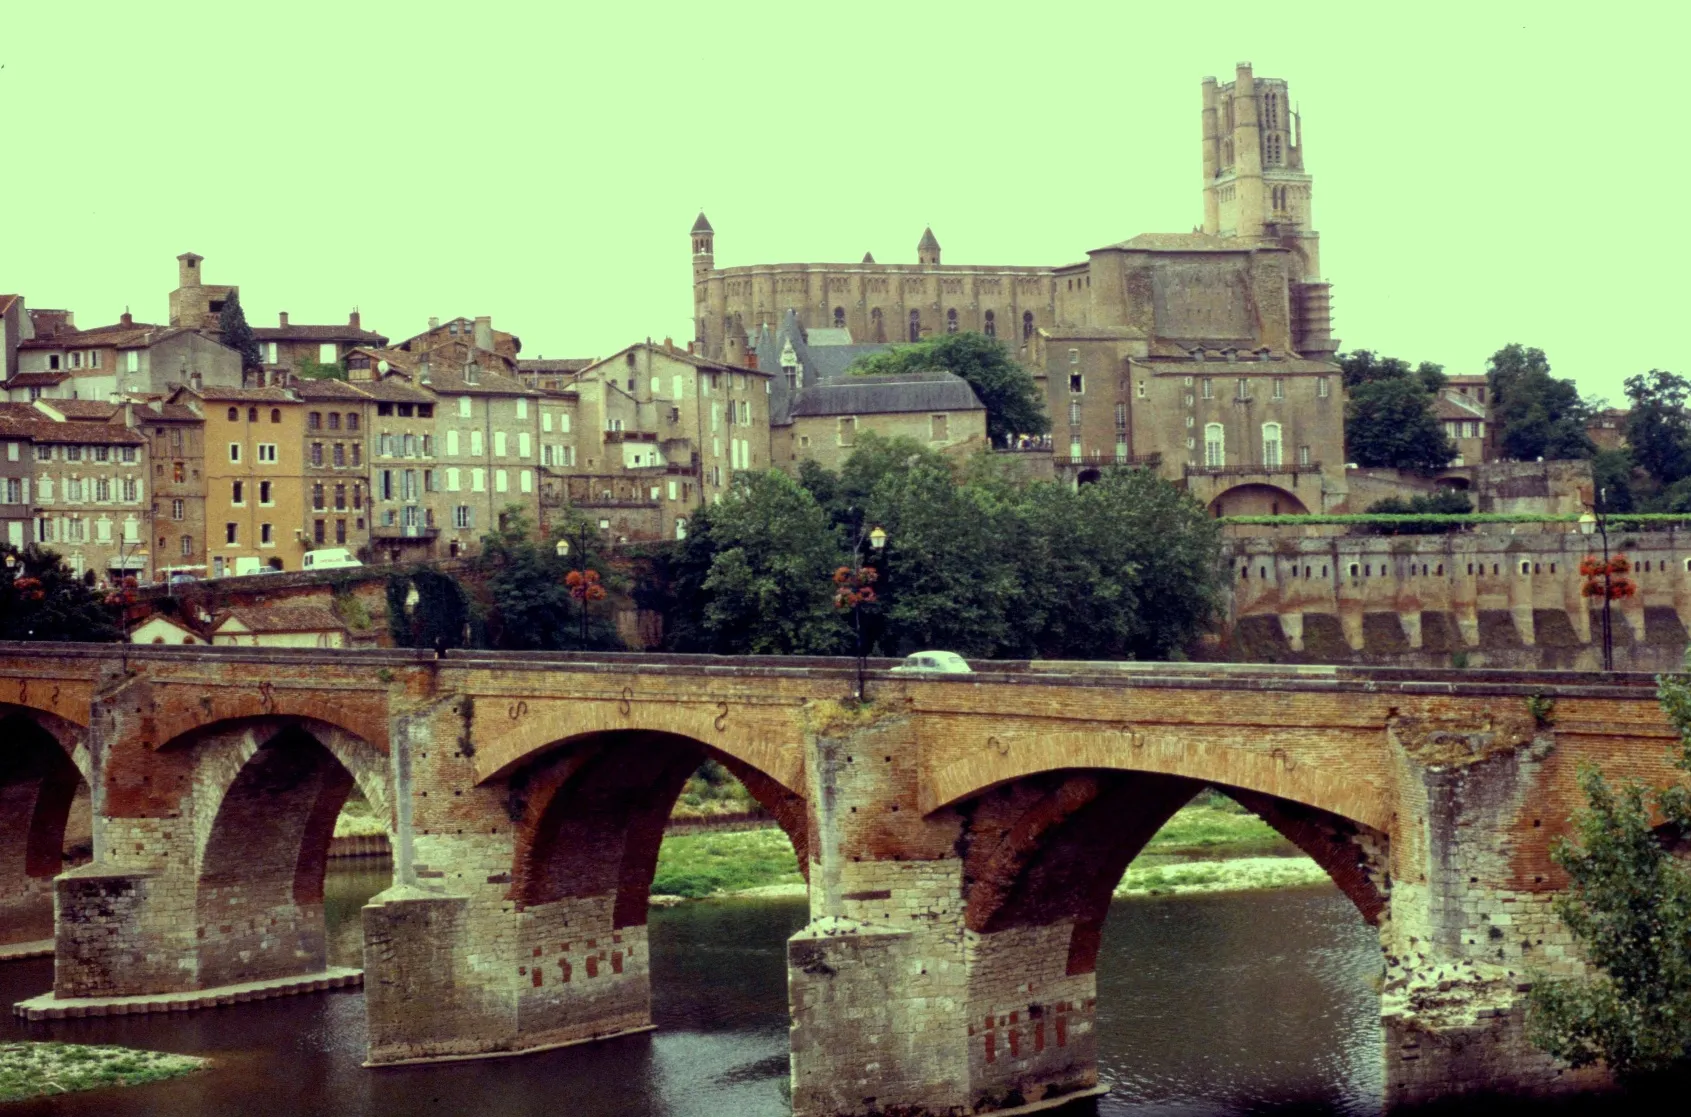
[
  {"x": 403, "y": 531},
  {"x": 1251, "y": 470}
]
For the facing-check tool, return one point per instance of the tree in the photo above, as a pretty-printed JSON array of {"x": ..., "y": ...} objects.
[
  {"x": 1538, "y": 415},
  {"x": 533, "y": 607},
  {"x": 439, "y": 617},
  {"x": 1389, "y": 422},
  {"x": 1005, "y": 388},
  {"x": 1658, "y": 432},
  {"x": 1445, "y": 502},
  {"x": 1364, "y": 366},
  {"x": 1628, "y": 904},
  {"x": 1612, "y": 476},
  {"x": 309, "y": 369},
  {"x": 1126, "y": 568},
  {"x": 237, "y": 335},
  {"x": 755, "y": 574},
  {"x": 42, "y": 599}
]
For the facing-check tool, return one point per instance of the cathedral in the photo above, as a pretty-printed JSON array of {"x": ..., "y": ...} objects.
[{"x": 1205, "y": 354}]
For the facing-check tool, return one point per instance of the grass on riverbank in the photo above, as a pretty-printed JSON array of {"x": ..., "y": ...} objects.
[
  {"x": 1215, "y": 825},
  {"x": 29, "y": 1070},
  {"x": 695, "y": 865},
  {"x": 1240, "y": 874},
  {"x": 358, "y": 819}
]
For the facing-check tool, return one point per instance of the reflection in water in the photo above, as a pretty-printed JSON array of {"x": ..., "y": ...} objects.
[{"x": 1207, "y": 1005}]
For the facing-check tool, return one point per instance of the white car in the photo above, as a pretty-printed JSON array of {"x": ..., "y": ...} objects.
[
  {"x": 329, "y": 558},
  {"x": 935, "y": 663}
]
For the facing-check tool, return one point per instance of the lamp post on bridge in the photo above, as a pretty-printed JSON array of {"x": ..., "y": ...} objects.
[
  {"x": 1605, "y": 578},
  {"x": 584, "y": 585},
  {"x": 856, "y": 589}
]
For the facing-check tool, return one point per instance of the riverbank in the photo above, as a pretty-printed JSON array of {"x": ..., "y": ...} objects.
[
  {"x": 1213, "y": 845},
  {"x": 32, "y": 1070}
]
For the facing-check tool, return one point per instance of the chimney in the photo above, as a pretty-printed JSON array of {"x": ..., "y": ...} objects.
[
  {"x": 195, "y": 382},
  {"x": 125, "y": 319},
  {"x": 484, "y": 333},
  {"x": 434, "y": 323},
  {"x": 751, "y": 358},
  {"x": 283, "y": 318},
  {"x": 690, "y": 347},
  {"x": 352, "y": 319},
  {"x": 669, "y": 345}
]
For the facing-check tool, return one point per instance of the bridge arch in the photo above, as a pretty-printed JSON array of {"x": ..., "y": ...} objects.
[
  {"x": 592, "y": 812},
  {"x": 1257, "y": 499},
  {"x": 39, "y": 780},
  {"x": 264, "y": 796}
]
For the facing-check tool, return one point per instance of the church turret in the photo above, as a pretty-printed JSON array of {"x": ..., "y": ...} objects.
[
  {"x": 704, "y": 263},
  {"x": 927, "y": 249}
]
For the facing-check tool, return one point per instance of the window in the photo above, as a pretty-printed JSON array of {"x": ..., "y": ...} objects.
[
  {"x": 499, "y": 444},
  {"x": 915, "y": 325},
  {"x": 318, "y": 532},
  {"x": 527, "y": 479},
  {"x": 237, "y": 492},
  {"x": 340, "y": 531},
  {"x": 462, "y": 517},
  {"x": 1322, "y": 387},
  {"x": 1215, "y": 446},
  {"x": 1208, "y": 388},
  {"x": 264, "y": 536},
  {"x": 501, "y": 483},
  {"x": 317, "y": 496},
  {"x": 1303, "y": 456},
  {"x": 1074, "y": 414},
  {"x": 317, "y": 453},
  {"x": 839, "y": 318},
  {"x": 938, "y": 428},
  {"x": 326, "y": 355},
  {"x": 103, "y": 491},
  {"x": 523, "y": 447},
  {"x": 847, "y": 433},
  {"x": 234, "y": 451},
  {"x": 43, "y": 453},
  {"x": 1244, "y": 390},
  {"x": 428, "y": 445},
  {"x": 187, "y": 546},
  {"x": 463, "y": 407},
  {"x": 178, "y": 508},
  {"x": 451, "y": 480},
  {"x": 1279, "y": 391},
  {"x": 408, "y": 445},
  {"x": 358, "y": 498},
  {"x": 1027, "y": 324},
  {"x": 267, "y": 452},
  {"x": 1121, "y": 416},
  {"x": 951, "y": 321},
  {"x": 264, "y": 493},
  {"x": 314, "y": 421},
  {"x": 990, "y": 326},
  {"x": 1271, "y": 445},
  {"x": 475, "y": 444},
  {"x": 384, "y": 484},
  {"x": 334, "y": 420},
  {"x": 340, "y": 455},
  {"x": 340, "y": 498},
  {"x": 232, "y": 534},
  {"x": 478, "y": 480}
]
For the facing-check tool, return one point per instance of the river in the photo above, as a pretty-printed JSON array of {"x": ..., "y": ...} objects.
[{"x": 1211, "y": 1004}]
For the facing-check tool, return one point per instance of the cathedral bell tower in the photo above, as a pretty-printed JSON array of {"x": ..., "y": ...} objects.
[
  {"x": 1256, "y": 189},
  {"x": 704, "y": 262}
]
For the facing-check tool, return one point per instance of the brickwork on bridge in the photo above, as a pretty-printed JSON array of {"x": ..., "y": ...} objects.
[{"x": 961, "y": 837}]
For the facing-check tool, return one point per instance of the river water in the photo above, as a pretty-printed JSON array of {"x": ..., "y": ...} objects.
[{"x": 1212, "y": 1004}]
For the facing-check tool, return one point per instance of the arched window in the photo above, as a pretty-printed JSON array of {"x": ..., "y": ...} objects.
[
  {"x": 1215, "y": 446},
  {"x": 951, "y": 321},
  {"x": 1027, "y": 324},
  {"x": 915, "y": 325},
  {"x": 252, "y": 414},
  {"x": 1271, "y": 445},
  {"x": 234, "y": 414},
  {"x": 275, "y": 414},
  {"x": 839, "y": 318},
  {"x": 991, "y": 327},
  {"x": 876, "y": 325}
]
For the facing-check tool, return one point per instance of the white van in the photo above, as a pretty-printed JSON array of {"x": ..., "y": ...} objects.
[
  {"x": 248, "y": 564},
  {"x": 329, "y": 558}
]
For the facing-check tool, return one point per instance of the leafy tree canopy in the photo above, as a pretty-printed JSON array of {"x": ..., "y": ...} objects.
[
  {"x": 309, "y": 369},
  {"x": 528, "y": 581},
  {"x": 1539, "y": 416},
  {"x": 1009, "y": 393},
  {"x": 437, "y": 617},
  {"x": 1364, "y": 366},
  {"x": 42, "y": 599},
  {"x": 1657, "y": 431},
  {"x": 1389, "y": 422},
  {"x": 237, "y": 335},
  {"x": 1446, "y": 502},
  {"x": 1628, "y": 904}
]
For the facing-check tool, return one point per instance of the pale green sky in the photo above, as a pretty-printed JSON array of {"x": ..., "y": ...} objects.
[{"x": 1484, "y": 172}]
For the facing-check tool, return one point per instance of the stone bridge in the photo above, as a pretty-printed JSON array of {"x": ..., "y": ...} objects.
[{"x": 961, "y": 835}]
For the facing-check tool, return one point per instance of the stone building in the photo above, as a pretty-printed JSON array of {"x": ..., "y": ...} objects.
[
  {"x": 254, "y": 476},
  {"x": 17, "y": 477},
  {"x": 333, "y": 454},
  {"x": 662, "y": 432},
  {"x": 1206, "y": 353},
  {"x": 176, "y": 446},
  {"x": 406, "y": 502},
  {"x": 88, "y": 495},
  {"x": 1463, "y": 419},
  {"x": 288, "y": 345},
  {"x": 128, "y": 357}
]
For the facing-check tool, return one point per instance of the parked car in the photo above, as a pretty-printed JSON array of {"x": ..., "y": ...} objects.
[
  {"x": 329, "y": 558},
  {"x": 180, "y": 579},
  {"x": 935, "y": 663}
]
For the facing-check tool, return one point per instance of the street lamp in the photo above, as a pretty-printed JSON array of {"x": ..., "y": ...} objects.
[
  {"x": 1612, "y": 586},
  {"x": 856, "y": 590},
  {"x": 583, "y": 583}
]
